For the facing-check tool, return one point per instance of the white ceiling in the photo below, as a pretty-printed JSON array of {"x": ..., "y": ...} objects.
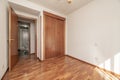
[{"x": 61, "y": 5}]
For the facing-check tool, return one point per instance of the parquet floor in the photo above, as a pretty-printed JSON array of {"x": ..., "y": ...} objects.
[{"x": 59, "y": 68}]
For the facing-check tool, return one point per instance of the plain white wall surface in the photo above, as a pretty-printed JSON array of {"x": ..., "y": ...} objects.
[
  {"x": 32, "y": 37},
  {"x": 93, "y": 33},
  {"x": 3, "y": 37}
]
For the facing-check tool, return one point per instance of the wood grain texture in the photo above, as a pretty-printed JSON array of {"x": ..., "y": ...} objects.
[
  {"x": 54, "y": 35},
  {"x": 58, "y": 68},
  {"x": 54, "y": 16},
  {"x": 13, "y": 38}
]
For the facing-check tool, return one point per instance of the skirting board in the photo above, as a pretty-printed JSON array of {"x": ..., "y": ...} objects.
[
  {"x": 5, "y": 73},
  {"x": 113, "y": 73},
  {"x": 32, "y": 53}
]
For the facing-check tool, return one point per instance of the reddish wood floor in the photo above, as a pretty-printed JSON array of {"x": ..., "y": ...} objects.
[{"x": 59, "y": 68}]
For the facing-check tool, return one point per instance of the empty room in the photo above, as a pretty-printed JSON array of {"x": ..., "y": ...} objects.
[{"x": 60, "y": 40}]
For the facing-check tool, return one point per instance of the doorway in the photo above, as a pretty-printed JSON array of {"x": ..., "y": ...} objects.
[
  {"x": 20, "y": 40},
  {"x": 26, "y": 37},
  {"x": 23, "y": 38}
]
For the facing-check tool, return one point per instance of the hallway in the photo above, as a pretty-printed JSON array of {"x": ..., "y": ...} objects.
[{"x": 62, "y": 68}]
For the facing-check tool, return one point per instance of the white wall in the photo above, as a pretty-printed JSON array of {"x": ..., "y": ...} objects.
[
  {"x": 3, "y": 37},
  {"x": 93, "y": 33},
  {"x": 32, "y": 37}
]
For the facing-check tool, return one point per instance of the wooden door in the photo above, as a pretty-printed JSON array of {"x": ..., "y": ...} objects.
[
  {"x": 13, "y": 39},
  {"x": 60, "y": 37},
  {"x": 54, "y": 35}
]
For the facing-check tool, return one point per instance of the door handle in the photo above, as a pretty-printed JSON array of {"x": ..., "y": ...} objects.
[{"x": 11, "y": 39}]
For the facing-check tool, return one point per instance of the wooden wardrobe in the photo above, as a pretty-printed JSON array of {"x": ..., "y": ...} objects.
[{"x": 54, "y": 35}]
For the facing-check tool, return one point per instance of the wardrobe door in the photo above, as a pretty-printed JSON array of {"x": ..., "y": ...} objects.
[
  {"x": 59, "y": 37},
  {"x": 50, "y": 24},
  {"x": 54, "y": 36}
]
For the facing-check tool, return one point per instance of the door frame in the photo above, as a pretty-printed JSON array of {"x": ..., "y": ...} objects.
[
  {"x": 57, "y": 17},
  {"x": 35, "y": 37},
  {"x": 9, "y": 43},
  {"x": 35, "y": 28}
]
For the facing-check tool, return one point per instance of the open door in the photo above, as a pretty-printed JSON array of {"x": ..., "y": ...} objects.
[{"x": 13, "y": 39}]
